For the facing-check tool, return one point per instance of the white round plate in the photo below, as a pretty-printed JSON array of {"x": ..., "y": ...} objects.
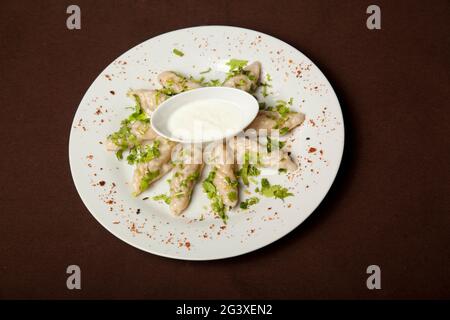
[{"x": 103, "y": 181}]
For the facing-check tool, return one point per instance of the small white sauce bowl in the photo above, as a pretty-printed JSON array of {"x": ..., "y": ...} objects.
[{"x": 247, "y": 111}]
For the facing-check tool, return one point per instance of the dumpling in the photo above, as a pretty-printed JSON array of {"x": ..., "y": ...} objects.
[
  {"x": 148, "y": 99},
  {"x": 246, "y": 81},
  {"x": 271, "y": 120},
  {"x": 277, "y": 159},
  {"x": 187, "y": 170},
  {"x": 225, "y": 179},
  {"x": 176, "y": 83},
  {"x": 147, "y": 173}
]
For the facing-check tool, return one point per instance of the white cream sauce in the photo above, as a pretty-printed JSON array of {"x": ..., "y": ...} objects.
[{"x": 205, "y": 120}]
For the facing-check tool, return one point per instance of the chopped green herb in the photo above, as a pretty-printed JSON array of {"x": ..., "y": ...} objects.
[
  {"x": 178, "y": 52},
  {"x": 264, "y": 90},
  {"x": 163, "y": 197},
  {"x": 119, "y": 154},
  {"x": 193, "y": 176},
  {"x": 232, "y": 196},
  {"x": 284, "y": 130},
  {"x": 248, "y": 170},
  {"x": 236, "y": 65},
  {"x": 253, "y": 171},
  {"x": 147, "y": 179},
  {"x": 213, "y": 83},
  {"x": 142, "y": 154},
  {"x": 232, "y": 184},
  {"x": 266, "y": 85},
  {"x": 123, "y": 138},
  {"x": 282, "y": 108},
  {"x": 179, "y": 194},
  {"x": 206, "y": 71},
  {"x": 210, "y": 189},
  {"x": 274, "y": 144},
  {"x": 249, "y": 202},
  {"x": 273, "y": 191},
  {"x": 168, "y": 91},
  {"x": 282, "y": 170},
  {"x": 199, "y": 80}
]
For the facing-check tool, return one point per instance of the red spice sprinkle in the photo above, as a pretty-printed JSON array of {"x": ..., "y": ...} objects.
[
  {"x": 112, "y": 92},
  {"x": 312, "y": 149},
  {"x": 187, "y": 244},
  {"x": 102, "y": 183}
]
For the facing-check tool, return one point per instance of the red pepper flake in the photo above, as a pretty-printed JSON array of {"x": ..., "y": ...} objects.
[
  {"x": 312, "y": 122},
  {"x": 89, "y": 157},
  {"x": 187, "y": 244},
  {"x": 102, "y": 183},
  {"x": 133, "y": 228},
  {"x": 312, "y": 150}
]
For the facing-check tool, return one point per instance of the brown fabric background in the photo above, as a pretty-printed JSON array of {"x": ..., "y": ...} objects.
[{"x": 389, "y": 205}]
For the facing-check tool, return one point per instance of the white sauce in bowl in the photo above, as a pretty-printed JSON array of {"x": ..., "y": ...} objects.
[
  {"x": 205, "y": 120},
  {"x": 204, "y": 114}
]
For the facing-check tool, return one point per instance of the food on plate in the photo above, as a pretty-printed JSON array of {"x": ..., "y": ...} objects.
[
  {"x": 157, "y": 164},
  {"x": 174, "y": 83},
  {"x": 280, "y": 118},
  {"x": 233, "y": 164},
  {"x": 244, "y": 78},
  {"x": 187, "y": 170},
  {"x": 148, "y": 99}
]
